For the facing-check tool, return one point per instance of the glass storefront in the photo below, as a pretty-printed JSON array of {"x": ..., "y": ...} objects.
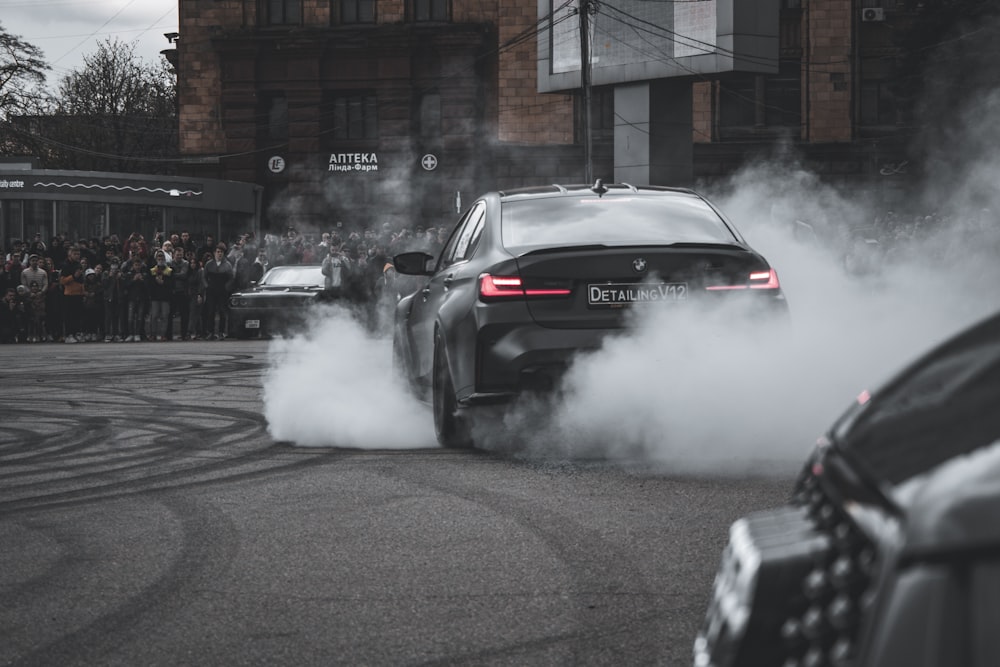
[{"x": 91, "y": 205}]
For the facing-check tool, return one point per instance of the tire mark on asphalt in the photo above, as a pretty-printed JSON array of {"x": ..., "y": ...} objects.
[
  {"x": 594, "y": 630},
  {"x": 208, "y": 545},
  {"x": 54, "y": 456}
]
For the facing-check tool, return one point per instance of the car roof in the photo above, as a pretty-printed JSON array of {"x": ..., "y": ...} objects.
[{"x": 598, "y": 188}]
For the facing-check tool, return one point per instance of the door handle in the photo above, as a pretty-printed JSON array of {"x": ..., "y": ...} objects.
[{"x": 448, "y": 280}]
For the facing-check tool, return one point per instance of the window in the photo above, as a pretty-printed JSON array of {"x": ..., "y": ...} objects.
[
  {"x": 751, "y": 105},
  {"x": 469, "y": 227},
  {"x": 277, "y": 118},
  {"x": 738, "y": 102},
  {"x": 429, "y": 121},
  {"x": 353, "y": 11},
  {"x": 282, "y": 12},
  {"x": 430, "y": 10},
  {"x": 878, "y": 103},
  {"x": 349, "y": 115},
  {"x": 782, "y": 97},
  {"x": 469, "y": 238}
]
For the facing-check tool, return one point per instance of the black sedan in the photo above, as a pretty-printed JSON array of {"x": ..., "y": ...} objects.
[
  {"x": 278, "y": 303},
  {"x": 530, "y": 277},
  {"x": 888, "y": 552}
]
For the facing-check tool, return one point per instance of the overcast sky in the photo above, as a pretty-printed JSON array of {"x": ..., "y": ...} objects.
[{"x": 67, "y": 30}]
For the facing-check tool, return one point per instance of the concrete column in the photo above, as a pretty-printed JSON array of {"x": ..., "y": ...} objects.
[{"x": 653, "y": 133}]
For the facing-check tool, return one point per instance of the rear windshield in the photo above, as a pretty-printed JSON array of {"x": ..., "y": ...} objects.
[
  {"x": 294, "y": 275},
  {"x": 612, "y": 220}
]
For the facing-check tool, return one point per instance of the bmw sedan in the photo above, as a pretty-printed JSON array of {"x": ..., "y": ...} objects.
[
  {"x": 276, "y": 304},
  {"x": 530, "y": 277}
]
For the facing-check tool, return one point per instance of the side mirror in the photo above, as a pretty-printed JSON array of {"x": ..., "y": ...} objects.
[{"x": 414, "y": 263}]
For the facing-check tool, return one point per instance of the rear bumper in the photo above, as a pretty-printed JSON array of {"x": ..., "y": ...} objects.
[
  {"x": 514, "y": 359},
  {"x": 514, "y": 354},
  {"x": 267, "y": 320}
]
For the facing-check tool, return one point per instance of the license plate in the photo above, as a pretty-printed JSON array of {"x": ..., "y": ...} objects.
[
  {"x": 251, "y": 324},
  {"x": 617, "y": 295}
]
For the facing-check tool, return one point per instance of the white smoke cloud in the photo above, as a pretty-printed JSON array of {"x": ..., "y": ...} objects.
[
  {"x": 334, "y": 387},
  {"x": 688, "y": 392},
  {"x": 691, "y": 393}
]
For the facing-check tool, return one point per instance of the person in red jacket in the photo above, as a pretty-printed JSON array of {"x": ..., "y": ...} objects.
[{"x": 71, "y": 279}]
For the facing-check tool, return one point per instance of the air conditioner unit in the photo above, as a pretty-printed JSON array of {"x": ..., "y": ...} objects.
[{"x": 872, "y": 14}]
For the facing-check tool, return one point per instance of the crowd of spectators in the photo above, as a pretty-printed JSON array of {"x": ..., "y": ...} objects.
[{"x": 172, "y": 286}]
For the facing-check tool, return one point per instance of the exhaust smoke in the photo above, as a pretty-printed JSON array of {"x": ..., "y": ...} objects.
[
  {"x": 698, "y": 392},
  {"x": 333, "y": 386}
]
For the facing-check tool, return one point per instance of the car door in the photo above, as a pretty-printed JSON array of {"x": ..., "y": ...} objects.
[{"x": 427, "y": 301}]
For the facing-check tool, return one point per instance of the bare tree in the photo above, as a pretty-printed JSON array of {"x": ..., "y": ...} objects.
[
  {"x": 116, "y": 113},
  {"x": 22, "y": 74},
  {"x": 22, "y": 93}
]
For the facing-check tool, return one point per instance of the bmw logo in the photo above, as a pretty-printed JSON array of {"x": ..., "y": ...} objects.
[{"x": 638, "y": 264}]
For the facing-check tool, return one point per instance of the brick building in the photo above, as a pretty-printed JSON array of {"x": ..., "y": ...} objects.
[
  {"x": 371, "y": 111},
  {"x": 364, "y": 111}
]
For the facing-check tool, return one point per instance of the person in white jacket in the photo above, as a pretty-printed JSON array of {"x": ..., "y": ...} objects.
[{"x": 336, "y": 265}]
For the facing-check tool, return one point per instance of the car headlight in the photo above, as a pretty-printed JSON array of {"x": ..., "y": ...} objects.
[
  {"x": 732, "y": 599},
  {"x": 758, "y": 587},
  {"x": 237, "y": 301}
]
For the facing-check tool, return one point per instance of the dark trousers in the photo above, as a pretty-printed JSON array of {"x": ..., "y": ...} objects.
[
  {"x": 178, "y": 307},
  {"x": 216, "y": 305},
  {"x": 72, "y": 310}
]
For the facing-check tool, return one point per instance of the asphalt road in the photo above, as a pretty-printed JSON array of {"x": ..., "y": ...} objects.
[{"x": 147, "y": 517}]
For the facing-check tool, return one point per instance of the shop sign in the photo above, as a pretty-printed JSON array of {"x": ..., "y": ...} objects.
[
  {"x": 276, "y": 164},
  {"x": 353, "y": 162}
]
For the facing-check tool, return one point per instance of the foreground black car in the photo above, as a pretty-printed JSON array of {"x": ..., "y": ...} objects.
[
  {"x": 530, "y": 277},
  {"x": 278, "y": 304},
  {"x": 889, "y": 551}
]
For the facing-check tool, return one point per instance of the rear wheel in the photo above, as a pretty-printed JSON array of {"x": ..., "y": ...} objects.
[{"x": 452, "y": 431}]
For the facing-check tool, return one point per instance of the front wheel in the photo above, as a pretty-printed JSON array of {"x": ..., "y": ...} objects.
[{"x": 452, "y": 431}]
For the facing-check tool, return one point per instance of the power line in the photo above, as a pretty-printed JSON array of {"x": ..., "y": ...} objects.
[{"x": 91, "y": 35}]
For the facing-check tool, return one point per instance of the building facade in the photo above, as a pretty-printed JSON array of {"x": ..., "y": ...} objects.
[
  {"x": 361, "y": 111},
  {"x": 371, "y": 111},
  {"x": 831, "y": 98}
]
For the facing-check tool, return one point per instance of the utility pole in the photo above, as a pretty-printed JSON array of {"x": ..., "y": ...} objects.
[{"x": 584, "y": 11}]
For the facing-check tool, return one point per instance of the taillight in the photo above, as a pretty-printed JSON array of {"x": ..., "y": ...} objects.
[
  {"x": 764, "y": 280},
  {"x": 757, "y": 280},
  {"x": 498, "y": 287}
]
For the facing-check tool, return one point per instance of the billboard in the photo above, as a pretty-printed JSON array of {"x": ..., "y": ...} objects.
[{"x": 641, "y": 40}]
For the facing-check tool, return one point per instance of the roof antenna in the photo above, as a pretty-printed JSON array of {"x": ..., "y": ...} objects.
[{"x": 599, "y": 188}]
